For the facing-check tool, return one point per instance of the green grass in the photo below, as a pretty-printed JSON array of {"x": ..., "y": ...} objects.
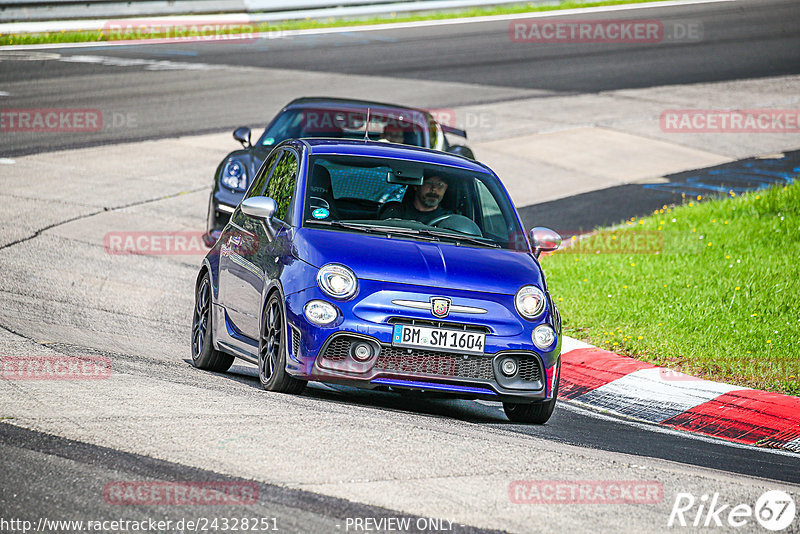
[
  {"x": 720, "y": 300},
  {"x": 93, "y": 35}
]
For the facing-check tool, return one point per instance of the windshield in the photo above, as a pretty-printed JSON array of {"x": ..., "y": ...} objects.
[
  {"x": 394, "y": 126},
  {"x": 411, "y": 200}
]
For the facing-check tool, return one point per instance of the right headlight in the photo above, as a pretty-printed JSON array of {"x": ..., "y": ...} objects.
[
  {"x": 234, "y": 175},
  {"x": 337, "y": 281},
  {"x": 530, "y": 302}
]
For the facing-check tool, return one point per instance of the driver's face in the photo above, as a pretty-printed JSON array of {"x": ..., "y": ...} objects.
[{"x": 430, "y": 193}]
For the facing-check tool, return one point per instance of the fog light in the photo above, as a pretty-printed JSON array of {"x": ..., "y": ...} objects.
[
  {"x": 543, "y": 336},
  {"x": 362, "y": 352},
  {"x": 509, "y": 367},
  {"x": 319, "y": 312}
]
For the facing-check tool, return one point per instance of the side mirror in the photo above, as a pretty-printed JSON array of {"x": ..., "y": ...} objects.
[
  {"x": 259, "y": 207},
  {"x": 263, "y": 209},
  {"x": 461, "y": 150},
  {"x": 544, "y": 240},
  {"x": 242, "y": 135}
]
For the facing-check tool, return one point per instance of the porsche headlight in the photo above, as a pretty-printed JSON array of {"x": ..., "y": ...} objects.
[
  {"x": 337, "y": 281},
  {"x": 530, "y": 302},
  {"x": 234, "y": 175}
]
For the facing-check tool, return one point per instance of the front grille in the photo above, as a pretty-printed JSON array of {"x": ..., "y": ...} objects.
[
  {"x": 426, "y": 362},
  {"x": 338, "y": 349},
  {"x": 529, "y": 370}
]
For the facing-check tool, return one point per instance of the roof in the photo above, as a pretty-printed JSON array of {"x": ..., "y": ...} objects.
[{"x": 379, "y": 149}]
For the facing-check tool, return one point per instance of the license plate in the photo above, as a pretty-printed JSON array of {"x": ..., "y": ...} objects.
[{"x": 425, "y": 337}]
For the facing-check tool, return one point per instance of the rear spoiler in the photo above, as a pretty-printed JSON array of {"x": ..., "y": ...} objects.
[{"x": 454, "y": 131}]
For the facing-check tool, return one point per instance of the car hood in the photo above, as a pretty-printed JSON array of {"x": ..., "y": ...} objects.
[{"x": 406, "y": 261}]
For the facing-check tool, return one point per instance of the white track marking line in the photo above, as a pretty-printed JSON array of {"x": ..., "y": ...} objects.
[
  {"x": 654, "y": 394},
  {"x": 569, "y": 344}
]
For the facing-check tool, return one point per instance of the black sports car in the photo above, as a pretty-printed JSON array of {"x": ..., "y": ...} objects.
[{"x": 320, "y": 117}]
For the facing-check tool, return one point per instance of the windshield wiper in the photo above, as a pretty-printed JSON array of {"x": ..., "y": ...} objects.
[
  {"x": 432, "y": 235},
  {"x": 460, "y": 237},
  {"x": 372, "y": 229}
]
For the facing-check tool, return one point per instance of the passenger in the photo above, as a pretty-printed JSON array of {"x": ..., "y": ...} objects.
[{"x": 393, "y": 134}]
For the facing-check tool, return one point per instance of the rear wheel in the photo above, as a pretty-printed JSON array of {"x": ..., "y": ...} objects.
[
  {"x": 272, "y": 351},
  {"x": 204, "y": 355},
  {"x": 534, "y": 413}
]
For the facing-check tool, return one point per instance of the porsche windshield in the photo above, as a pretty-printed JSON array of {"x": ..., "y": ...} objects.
[
  {"x": 410, "y": 199},
  {"x": 395, "y": 126}
]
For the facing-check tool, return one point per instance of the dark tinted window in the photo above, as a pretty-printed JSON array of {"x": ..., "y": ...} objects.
[
  {"x": 401, "y": 126},
  {"x": 281, "y": 185}
]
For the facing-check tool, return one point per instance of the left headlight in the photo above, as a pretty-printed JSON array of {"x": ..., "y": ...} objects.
[
  {"x": 234, "y": 175},
  {"x": 530, "y": 302},
  {"x": 337, "y": 281}
]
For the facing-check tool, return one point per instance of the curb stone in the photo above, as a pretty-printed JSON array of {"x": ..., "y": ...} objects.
[{"x": 640, "y": 390}]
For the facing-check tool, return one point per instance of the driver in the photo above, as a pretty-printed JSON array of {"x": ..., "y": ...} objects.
[{"x": 426, "y": 202}]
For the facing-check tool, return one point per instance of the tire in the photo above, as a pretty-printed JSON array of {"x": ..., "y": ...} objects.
[
  {"x": 537, "y": 413},
  {"x": 272, "y": 351},
  {"x": 204, "y": 355}
]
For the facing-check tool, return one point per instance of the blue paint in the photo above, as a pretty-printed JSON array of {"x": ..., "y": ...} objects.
[
  {"x": 432, "y": 386},
  {"x": 739, "y": 177},
  {"x": 398, "y": 333}
]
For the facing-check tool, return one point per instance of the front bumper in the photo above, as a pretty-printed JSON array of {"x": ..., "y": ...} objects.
[{"x": 326, "y": 353}]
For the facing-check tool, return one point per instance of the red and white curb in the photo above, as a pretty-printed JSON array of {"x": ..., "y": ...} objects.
[{"x": 621, "y": 385}]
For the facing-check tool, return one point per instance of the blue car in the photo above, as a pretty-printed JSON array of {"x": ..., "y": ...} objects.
[{"x": 381, "y": 266}]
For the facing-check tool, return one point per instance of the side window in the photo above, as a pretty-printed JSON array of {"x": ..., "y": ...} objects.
[
  {"x": 282, "y": 184},
  {"x": 257, "y": 188}
]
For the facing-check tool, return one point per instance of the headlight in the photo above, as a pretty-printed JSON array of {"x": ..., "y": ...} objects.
[
  {"x": 543, "y": 336},
  {"x": 234, "y": 175},
  {"x": 529, "y": 302},
  {"x": 337, "y": 281},
  {"x": 319, "y": 312}
]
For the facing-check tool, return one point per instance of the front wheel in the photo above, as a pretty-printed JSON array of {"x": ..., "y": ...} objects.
[
  {"x": 204, "y": 355},
  {"x": 534, "y": 413},
  {"x": 272, "y": 351}
]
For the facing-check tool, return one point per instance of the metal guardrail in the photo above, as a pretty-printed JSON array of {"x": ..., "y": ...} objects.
[{"x": 38, "y": 10}]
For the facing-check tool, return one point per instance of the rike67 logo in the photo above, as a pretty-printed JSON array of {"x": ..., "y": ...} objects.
[{"x": 774, "y": 510}]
